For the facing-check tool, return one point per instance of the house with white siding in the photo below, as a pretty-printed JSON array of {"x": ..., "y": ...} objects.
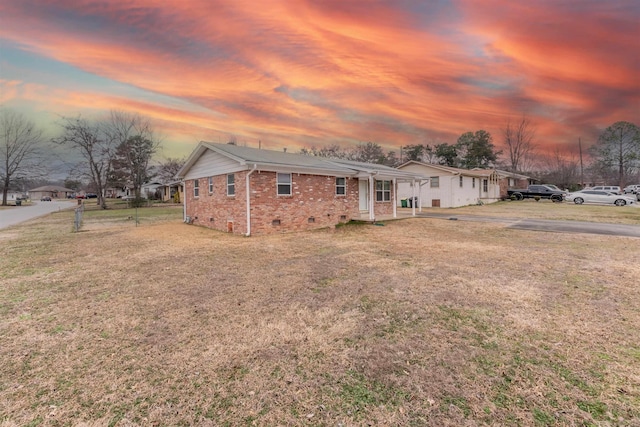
[
  {"x": 253, "y": 191},
  {"x": 449, "y": 187}
]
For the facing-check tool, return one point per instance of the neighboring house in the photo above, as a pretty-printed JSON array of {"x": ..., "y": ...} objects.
[
  {"x": 169, "y": 191},
  {"x": 53, "y": 191},
  {"x": 118, "y": 192},
  {"x": 148, "y": 190},
  {"x": 512, "y": 180},
  {"x": 12, "y": 196},
  {"x": 251, "y": 191},
  {"x": 450, "y": 187}
]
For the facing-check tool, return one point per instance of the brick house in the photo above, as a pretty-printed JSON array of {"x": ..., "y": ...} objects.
[
  {"x": 53, "y": 191},
  {"x": 513, "y": 180},
  {"x": 252, "y": 191}
]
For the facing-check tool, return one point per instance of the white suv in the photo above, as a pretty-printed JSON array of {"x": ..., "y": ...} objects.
[
  {"x": 609, "y": 188},
  {"x": 633, "y": 189}
]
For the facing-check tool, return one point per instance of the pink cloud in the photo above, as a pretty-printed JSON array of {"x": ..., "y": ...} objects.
[{"x": 346, "y": 71}]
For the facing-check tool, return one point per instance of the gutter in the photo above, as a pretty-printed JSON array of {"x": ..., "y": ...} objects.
[{"x": 248, "y": 187}]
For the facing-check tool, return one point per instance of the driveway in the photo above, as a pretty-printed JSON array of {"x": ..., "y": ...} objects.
[
  {"x": 16, "y": 215},
  {"x": 547, "y": 225}
]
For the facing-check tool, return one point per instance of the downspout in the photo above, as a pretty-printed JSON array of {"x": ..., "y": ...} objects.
[{"x": 248, "y": 191}]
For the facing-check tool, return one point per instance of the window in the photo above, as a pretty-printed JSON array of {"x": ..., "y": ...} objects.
[
  {"x": 383, "y": 191},
  {"x": 284, "y": 184},
  {"x": 196, "y": 188},
  {"x": 231, "y": 185},
  {"x": 473, "y": 183},
  {"x": 461, "y": 179},
  {"x": 435, "y": 182},
  {"x": 210, "y": 184},
  {"x": 485, "y": 185},
  {"x": 341, "y": 186}
]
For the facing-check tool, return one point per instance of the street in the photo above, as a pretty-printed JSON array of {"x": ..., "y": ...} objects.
[{"x": 12, "y": 216}]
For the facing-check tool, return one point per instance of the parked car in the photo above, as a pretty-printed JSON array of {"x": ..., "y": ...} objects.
[
  {"x": 45, "y": 199},
  {"x": 609, "y": 188},
  {"x": 92, "y": 196},
  {"x": 631, "y": 189},
  {"x": 596, "y": 196}
]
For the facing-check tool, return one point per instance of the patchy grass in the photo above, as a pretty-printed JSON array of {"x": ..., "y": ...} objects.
[{"x": 420, "y": 322}]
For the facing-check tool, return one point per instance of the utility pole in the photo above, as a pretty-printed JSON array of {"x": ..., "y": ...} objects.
[{"x": 581, "y": 166}]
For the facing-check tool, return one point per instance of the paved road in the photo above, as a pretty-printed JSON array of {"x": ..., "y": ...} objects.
[
  {"x": 13, "y": 216},
  {"x": 549, "y": 225}
]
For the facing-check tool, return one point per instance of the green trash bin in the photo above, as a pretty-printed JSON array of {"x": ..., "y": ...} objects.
[
  {"x": 18, "y": 202},
  {"x": 403, "y": 203}
]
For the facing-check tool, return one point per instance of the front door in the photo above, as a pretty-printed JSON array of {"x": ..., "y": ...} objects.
[{"x": 363, "y": 191}]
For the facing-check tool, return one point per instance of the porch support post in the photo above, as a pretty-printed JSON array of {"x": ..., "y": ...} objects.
[
  {"x": 413, "y": 197},
  {"x": 248, "y": 191},
  {"x": 372, "y": 195},
  {"x": 395, "y": 198}
]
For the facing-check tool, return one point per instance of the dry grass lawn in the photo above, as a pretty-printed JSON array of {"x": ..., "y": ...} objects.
[{"x": 416, "y": 322}]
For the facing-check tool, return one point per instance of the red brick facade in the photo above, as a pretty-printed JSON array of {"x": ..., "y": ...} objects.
[{"x": 313, "y": 203}]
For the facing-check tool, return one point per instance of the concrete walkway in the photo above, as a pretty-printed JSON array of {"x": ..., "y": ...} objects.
[{"x": 10, "y": 216}]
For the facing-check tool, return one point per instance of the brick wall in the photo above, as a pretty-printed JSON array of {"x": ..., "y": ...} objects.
[{"x": 313, "y": 203}]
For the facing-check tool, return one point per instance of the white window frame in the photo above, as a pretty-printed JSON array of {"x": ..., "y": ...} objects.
[
  {"x": 283, "y": 185},
  {"x": 231, "y": 186},
  {"x": 461, "y": 181},
  {"x": 210, "y": 184},
  {"x": 473, "y": 183},
  {"x": 341, "y": 186},
  {"x": 383, "y": 191},
  {"x": 434, "y": 182},
  {"x": 196, "y": 188},
  {"x": 485, "y": 185}
]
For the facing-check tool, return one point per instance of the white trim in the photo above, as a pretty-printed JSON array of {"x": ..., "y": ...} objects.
[
  {"x": 248, "y": 190},
  {"x": 234, "y": 184},
  {"x": 372, "y": 198},
  {"x": 278, "y": 184},
  {"x": 395, "y": 198}
]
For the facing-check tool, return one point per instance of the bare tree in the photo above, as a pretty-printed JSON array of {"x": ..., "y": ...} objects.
[
  {"x": 561, "y": 169},
  {"x": 135, "y": 143},
  {"x": 519, "y": 141},
  {"x": 333, "y": 151},
  {"x": 369, "y": 152},
  {"x": 20, "y": 149},
  {"x": 168, "y": 169},
  {"x": 95, "y": 147},
  {"x": 98, "y": 143},
  {"x": 121, "y": 126}
]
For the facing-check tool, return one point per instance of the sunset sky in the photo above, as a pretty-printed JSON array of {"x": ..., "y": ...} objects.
[{"x": 302, "y": 73}]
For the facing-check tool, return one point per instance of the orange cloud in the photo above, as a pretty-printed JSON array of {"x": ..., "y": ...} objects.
[{"x": 335, "y": 71}]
